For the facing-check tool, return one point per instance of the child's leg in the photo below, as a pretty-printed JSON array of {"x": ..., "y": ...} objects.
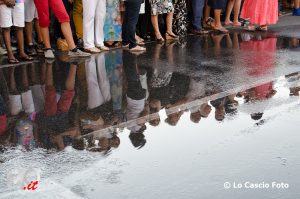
[
  {"x": 20, "y": 38},
  {"x": 7, "y": 42},
  {"x": 237, "y": 8}
]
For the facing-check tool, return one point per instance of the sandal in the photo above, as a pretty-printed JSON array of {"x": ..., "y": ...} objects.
[
  {"x": 26, "y": 58},
  {"x": 262, "y": 28},
  {"x": 221, "y": 30},
  {"x": 228, "y": 23},
  {"x": 137, "y": 49},
  {"x": 171, "y": 36},
  {"x": 13, "y": 61},
  {"x": 199, "y": 32},
  {"x": 236, "y": 24},
  {"x": 209, "y": 23}
]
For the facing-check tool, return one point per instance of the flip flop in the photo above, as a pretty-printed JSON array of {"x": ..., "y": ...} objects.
[
  {"x": 264, "y": 29},
  {"x": 221, "y": 30},
  {"x": 13, "y": 61},
  {"x": 137, "y": 49},
  {"x": 26, "y": 58}
]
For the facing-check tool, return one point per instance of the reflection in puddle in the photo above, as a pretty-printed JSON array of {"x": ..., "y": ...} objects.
[{"x": 87, "y": 103}]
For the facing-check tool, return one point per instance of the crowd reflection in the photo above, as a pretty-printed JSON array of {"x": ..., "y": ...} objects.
[{"x": 86, "y": 103}]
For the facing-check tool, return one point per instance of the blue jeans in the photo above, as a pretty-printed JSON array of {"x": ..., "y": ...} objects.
[
  {"x": 197, "y": 6},
  {"x": 132, "y": 10}
]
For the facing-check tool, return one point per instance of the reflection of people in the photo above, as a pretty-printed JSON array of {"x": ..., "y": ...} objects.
[
  {"x": 54, "y": 122},
  {"x": 20, "y": 98},
  {"x": 136, "y": 96},
  {"x": 259, "y": 94},
  {"x": 97, "y": 81},
  {"x": 218, "y": 104}
]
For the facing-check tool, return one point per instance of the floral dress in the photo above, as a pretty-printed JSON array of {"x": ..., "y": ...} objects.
[
  {"x": 161, "y": 6},
  {"x": 180, "y": 18}
]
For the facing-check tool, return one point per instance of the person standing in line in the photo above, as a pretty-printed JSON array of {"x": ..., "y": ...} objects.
[
  {"x": 261, "y": 13},
  {"x": 197, "y": 6},
  {"x": 93, "y": 24},
  {"x": 30, "y": 19},
  {"x": 78, "y": 21},
  {"x": 217, "y": 6},
  {"x": 12, "y": 14},
  {"x": 132, "y": 10},
  {"x": 61, "y": 14},
  {"x": 236, "y": 5},
  {"x": 162, "y": 7}
]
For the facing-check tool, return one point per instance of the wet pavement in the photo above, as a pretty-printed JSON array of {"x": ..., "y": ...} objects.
[{"x": 182, "y": 120}]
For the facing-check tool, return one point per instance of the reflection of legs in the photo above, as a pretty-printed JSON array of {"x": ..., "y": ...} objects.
[
  {"x": 37, "y": 87},
  {"x": 102, "y": 78},
  {"x": 26, "y": 95},
  {"x": 15, "y": 105},
  {"x": 50, "y": 94},
  {"x": 99, "y": 22},
  {"x": 95, "y": 97},
  {"x": 66, "y": 99}
]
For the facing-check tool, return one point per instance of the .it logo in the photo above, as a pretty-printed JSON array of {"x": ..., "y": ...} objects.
[
  {"x": 26, "y": 179},
  {"x": 31, "y": 186}
]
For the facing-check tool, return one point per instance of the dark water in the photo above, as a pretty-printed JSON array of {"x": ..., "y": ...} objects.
[{"x": 178, "y": 121}]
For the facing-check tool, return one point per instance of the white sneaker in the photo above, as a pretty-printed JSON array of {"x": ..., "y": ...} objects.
[
  {"x": 49, "y": 54},
  {"x": 78, "y": 53}
]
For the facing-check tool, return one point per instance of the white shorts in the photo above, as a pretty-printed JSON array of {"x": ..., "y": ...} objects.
[
  {"x": 30, "y": 11},
  {"x": 12, "y": 16},
  {"x": 23, "y": 102},
  {"x": 38, "y": 94}
]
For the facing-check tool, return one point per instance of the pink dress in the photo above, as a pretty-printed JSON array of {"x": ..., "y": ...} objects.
[{"x": 260, "y": 12}]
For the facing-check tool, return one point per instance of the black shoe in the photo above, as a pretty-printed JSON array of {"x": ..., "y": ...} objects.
[
  {"x": 30, "y": 50},
  {"x": 80, "y": 43},
  {"x": 199, "y": 32},
  {"x": 39, "y": 48}
]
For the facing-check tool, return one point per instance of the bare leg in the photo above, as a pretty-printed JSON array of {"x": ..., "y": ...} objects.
[
  {"x": 228, "y": 12},
  {"x": 7, "y": 41},
  {"x": 20, "y": 38},
  {"x": 28, "y": 31},
  {"x": 38, "y": 30},
  {"x": 46, "y": 37},
  {"x": 154, "y": 20},
  {"x": 217, "y": 13},
  {"x": 218, "y": 24},
  {"x": 66, "y": 29},
  {"x": 237, "y": 7},
  {"x": 169, "y": 20}
]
